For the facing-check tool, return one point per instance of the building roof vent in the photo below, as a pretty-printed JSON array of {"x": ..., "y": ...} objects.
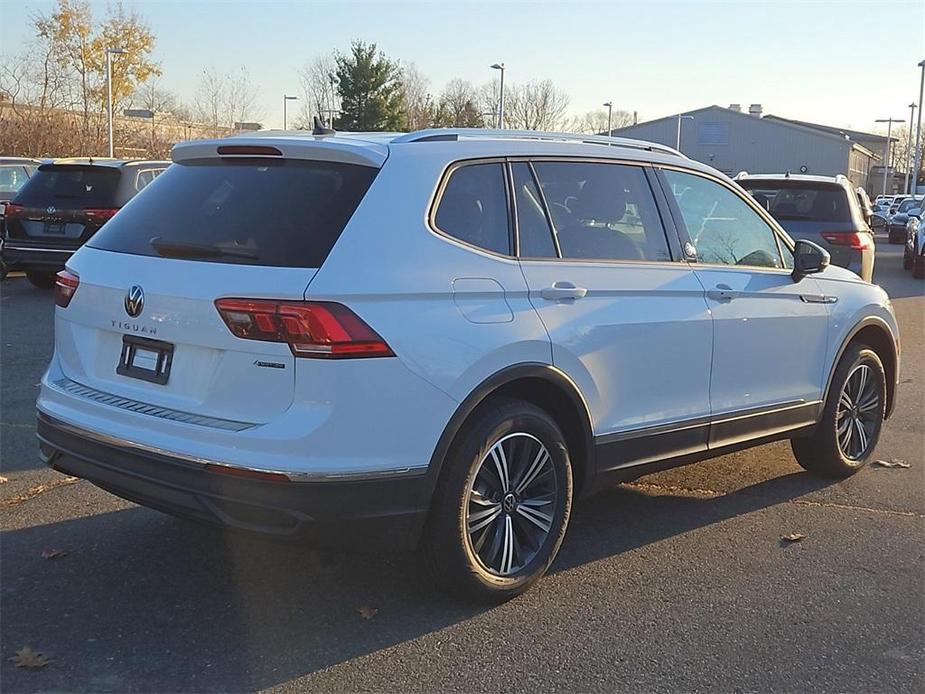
[
  {"x": 735, "y": 107},
  {"x": 755, "y": 110}
]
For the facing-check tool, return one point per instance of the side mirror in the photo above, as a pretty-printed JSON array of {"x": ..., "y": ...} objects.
[{"x": 808, "y": 259}]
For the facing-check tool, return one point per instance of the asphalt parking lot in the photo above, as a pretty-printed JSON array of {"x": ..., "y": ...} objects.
[{"x": 678, "y": 582}]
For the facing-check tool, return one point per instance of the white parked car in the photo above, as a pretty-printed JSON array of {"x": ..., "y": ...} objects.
[
  {"x": 914, "y": 250},
  {"x": 443, "y": 338}
]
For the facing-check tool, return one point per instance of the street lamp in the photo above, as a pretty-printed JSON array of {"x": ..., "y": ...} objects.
[
  {"x": 678, "y": 139},
  {"x": 287, "y": 99},
  {"x": 886, "y": 154},
  {"x": 909, "y": 157},
  {"x": 500, "y": 66},
  {"x": 918, "y": 132},
  {"x": 109, "y": 53},
  {"x": 609, "y": 106}
]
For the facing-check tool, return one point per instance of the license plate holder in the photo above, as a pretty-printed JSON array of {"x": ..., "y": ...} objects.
[
  {"x": 55, "y": 228},
  {"x": 145, "y": 359}
]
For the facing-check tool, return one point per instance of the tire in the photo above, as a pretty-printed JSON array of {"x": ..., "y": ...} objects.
[
  {"x": 479, "y": 563},
  {"x": 829, "y": 452},
  {"x": 894, "y": 238},
  {"x": 42, "y": 280},
  {"x": 918, "y": 267},
  {"x": 907, "y": 259},
  {"x": 4, "y": 271}
]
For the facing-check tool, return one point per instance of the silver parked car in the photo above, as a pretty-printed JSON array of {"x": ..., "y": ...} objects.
[{"x": 822, "y": 209}]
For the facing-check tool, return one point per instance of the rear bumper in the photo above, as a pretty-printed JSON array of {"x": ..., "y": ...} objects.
[
  {"x": 29, "y": 257},
  {"x": 385, "y": 513}
]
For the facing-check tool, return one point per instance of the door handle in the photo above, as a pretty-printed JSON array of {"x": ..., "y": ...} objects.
[
  {"x": 561, "y": 291},
  {"x": 722, "y": 292}
]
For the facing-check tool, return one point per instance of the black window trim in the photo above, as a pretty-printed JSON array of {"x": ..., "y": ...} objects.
[
  {"x": 509, "y": 167},
  {"x": 645, "y": 166},
  {"x": 781, "y": 237}
]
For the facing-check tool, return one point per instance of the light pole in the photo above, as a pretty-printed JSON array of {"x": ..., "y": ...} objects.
[
  {"x": 909, "y": 157},
  {"x": 918, "y": 133},
  {"x": 886, "y": 154},
  {"x": 109, "y": 53},
  {"x": 609, "y": 106},
  {"x": 678, "y": 139},
  {"x": 500, "y": 66},
  {"x": 287, "y": 99}
]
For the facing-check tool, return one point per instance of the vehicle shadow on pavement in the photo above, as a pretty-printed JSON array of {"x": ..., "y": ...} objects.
[{"x": 147, "y": 602}]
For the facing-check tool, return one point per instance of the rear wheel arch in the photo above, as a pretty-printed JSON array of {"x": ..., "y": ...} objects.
[
  {"x": 875, "y": 334},
  {"x": 543, "y": 386}
]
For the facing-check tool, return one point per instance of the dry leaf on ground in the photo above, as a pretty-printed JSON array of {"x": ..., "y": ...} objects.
[
  {"x": 892, "y": 462},
  {"x": 367, "y": 612},
  {"x": 26, "y": 657},
  {"x": 3, "y": 480},
  {"x": 792, "y": 537},
  {"x": 54, "y": 553}
]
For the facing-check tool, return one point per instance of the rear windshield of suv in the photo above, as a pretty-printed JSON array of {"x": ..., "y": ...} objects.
[
  {"x": 70, "y": 186},
  {"x": 285, "y": 213},
  {"x": 801, "y": 200}
]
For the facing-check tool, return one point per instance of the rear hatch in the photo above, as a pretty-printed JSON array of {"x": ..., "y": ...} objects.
[
  {"x": 206, "y": 229},
  {"x": 821, "y": 212},
  {"x": 62, "y": 205}
]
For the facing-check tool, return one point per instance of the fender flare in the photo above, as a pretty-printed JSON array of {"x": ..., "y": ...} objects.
[
  {"x": 507, "y": 375},
  {"x": 894, "y": 353}
]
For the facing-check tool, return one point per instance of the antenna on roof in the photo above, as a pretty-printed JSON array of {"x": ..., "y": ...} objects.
[{"x": 320, "y": 129}]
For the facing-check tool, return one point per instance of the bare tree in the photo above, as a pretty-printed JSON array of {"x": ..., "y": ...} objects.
[
  {"x": 416, "y": 99},
  {"x": 595, "y": 122},
  {"x": 241, "y": 98},
  {"x": 319, "y": 93},
  {"x": 535, "y": 106},
  {"x": 224, "y": 99},
  {"x": 459, "y": 106}
]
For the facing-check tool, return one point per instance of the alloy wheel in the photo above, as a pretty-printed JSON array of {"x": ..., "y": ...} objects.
[
  {"x": 511, "y": 504},
  {"x": 858, "y": 412}
]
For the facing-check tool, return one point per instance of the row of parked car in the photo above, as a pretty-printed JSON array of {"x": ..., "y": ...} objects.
[
  {"x": 900, "y": 216},
  {"x": 52, "y": 208}
]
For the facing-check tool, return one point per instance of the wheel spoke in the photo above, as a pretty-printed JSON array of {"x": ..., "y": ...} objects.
[
  {"x": 871, "y": 401},
  {"x": 540, "y": 519},
  {"x": 862, "y": 437},
  {"x": 476, "y": 497},
  {"x": 480, "y": 519},
  {"x": 844, "y": 438},
  {"x": 539, "y": 462},
  {"x": 507, "y": 553},
  {"x": 862, "y": 383},
  {"x": 845, "y": 400},
  {"x": 497, "y": 455}
]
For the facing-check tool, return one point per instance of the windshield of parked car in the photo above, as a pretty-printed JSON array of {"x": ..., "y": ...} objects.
[
  {"x": 907, "y": 205},
  {"x": 801, "y": 200},
  {"x": 12, "y": 178},
  {"x": 70, "y": 186}
]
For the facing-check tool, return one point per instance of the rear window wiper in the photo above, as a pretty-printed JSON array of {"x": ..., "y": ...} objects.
[{"x": 179, "y": 249}]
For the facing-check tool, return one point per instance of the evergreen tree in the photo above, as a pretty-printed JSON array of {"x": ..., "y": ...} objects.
[{"x": 370, "y": 90}]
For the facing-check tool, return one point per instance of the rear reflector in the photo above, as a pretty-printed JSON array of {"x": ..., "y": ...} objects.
[
  {"x": 249, "y": 150},
  {"x": 100, "y": 214},
  {"x": 11, "y": 210},
  {"x": 65, "y": 286},
  {"x": 858, "y": 240},
  {"x": 316, "y": 329}
]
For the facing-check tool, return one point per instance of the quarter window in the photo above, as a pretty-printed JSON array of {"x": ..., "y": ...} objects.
[
  {"x": 532, "y": 226},
  {"x": 602, "y": 211},
  {"x": 724, "y": 229},
  {"x": 473, "y": 208}
]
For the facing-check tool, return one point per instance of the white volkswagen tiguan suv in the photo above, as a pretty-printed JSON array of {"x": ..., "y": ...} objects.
[{"x": 442, "y": 338}]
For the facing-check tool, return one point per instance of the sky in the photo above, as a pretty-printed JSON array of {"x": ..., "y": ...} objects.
[{"x": 839, "y": 63}]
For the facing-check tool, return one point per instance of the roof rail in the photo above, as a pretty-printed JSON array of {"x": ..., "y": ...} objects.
[
  {"x": 455, "y": 134},
  {"x": 739, "y": 176},
  {"x": 841, "y": 178}
]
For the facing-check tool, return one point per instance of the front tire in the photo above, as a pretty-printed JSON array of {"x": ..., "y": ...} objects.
[
  {"x": 502, "y": 504},
  {"x": 846, "y": 436},
  {"x": 918, "y": 267},
  {"x": 907, "y": 259},
  {"x": 42, "y": 280},
  {"x": 895, "y": 237}
]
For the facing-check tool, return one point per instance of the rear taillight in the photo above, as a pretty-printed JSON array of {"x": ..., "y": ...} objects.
[
  {"x": 11, "y": 210},
  {"x": 319, "y": 329},
  {"x": 65, "y": 286},
  {"x": 857, "y": 240},
  {"x": 100, "y": 214}
]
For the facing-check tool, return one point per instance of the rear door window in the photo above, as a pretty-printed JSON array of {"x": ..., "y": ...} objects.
[
  {"x": 285, "y": 213},
  {"x": 474, "y": 209},
  {"x": 70, "y": 186}
]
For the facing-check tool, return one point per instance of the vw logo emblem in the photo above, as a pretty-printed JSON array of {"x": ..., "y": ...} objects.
[
  {"x": 134, "y": 301},
  {"x": 51, "y": 209}
]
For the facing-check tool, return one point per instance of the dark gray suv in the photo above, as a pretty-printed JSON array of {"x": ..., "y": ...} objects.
[{"x": 822, "y": 209}]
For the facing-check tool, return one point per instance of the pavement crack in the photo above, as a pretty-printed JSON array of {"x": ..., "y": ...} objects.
[
  {"x": 37, "y": 490},
  {"x": 17, "y": 425},
  {"x": 852, "y": 507}
]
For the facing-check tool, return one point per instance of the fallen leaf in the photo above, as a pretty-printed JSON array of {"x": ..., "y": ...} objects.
[
  {"x": 792, "y": 537},
  {"x": 3, "y": 480},
  {"x": 892, "y": 462},
  {"x": 54, "y": 553},
  {"x": 26, "y": 657},
  {"x": 367, "y": 612}
]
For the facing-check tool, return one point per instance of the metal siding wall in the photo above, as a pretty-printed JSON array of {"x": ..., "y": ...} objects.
[{"x": 755, "y": 145}]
